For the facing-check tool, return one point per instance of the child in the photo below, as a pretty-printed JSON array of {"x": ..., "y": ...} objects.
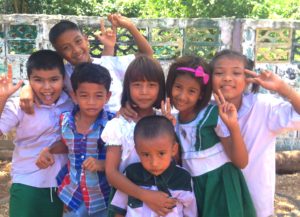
[
  {"x": 219, "y": 186},
  {"x": 261, "y": 117},
  {"x": 156, "y": 145},
  {"x": 33, "y": 190},
  {"x": 144, "y": 88},
  {"x": 73, "y": 46},
  {"x": 84, "y": 189}
]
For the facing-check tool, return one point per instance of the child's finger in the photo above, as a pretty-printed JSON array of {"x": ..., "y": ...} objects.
[
  {"x": 168, "y": 105},
  {"x": 251, "y": 73},
  {"x": 162, "y": 107},
  {"x": 9, "y": 72},
  {"x": 217, "y": 99},
  {"x": 102, "y": 27},
  {"x": 221, "y": 97}
]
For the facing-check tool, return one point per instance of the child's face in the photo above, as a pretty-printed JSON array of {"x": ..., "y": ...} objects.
[
  {"x": 186, "y": 92},
  {"x": 156, "y": 153},
  {"x": 46, "y": 84},
  {"x": 229, "y": 77},
  {"x": 144, "y": 93},
  {"x": 73, "y": 46},
  {"x": 91, "y": 98}
]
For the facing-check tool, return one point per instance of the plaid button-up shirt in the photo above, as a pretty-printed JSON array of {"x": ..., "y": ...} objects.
[{"x": 77, "y": 185}]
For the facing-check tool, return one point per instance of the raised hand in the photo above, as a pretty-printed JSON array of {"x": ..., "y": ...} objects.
[
  {"x": 107, "y": 37},
  {"x": 166, "y": 111},
  {"x": 227, "y": 111},
  {"x": 266, "y": 79},
  {"x": 6, "y": 87},
  {"x": 120, "y": 21}
]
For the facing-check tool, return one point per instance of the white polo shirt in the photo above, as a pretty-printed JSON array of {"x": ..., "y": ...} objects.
[
  {"x": 262, "y": 117},
  {"x": 33, "y": 133},
  {"x": 116, "y": 66}
]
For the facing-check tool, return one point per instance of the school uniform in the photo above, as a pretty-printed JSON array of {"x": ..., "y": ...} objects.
[
  {"x": 116, "y": 66},
  {"x": 175, "y": 181},
  {"x": 78, "y": 186},
  {"x": 33, "y": 133},
  {"x": 262, "y": 117},
  {"x": 219, "y": 186}
]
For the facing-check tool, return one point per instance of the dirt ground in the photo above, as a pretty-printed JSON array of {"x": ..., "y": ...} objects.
[{"x": 287, "y": 202}]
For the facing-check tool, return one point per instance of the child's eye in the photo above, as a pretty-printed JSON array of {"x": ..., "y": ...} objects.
[
  {"x": 153, "y": 84},
  {"x": 162, "y": 154},
  {"x": 66, "y": 48},
  {"x": 78, "y": 41},
  {"x": 145, "y": 154},
  {"x": 218, "y": 73},
  {"x": 99, "y": 96},
  {"x": 176, "y": 86},
  {"x": 237, "y": 73},
  {"x": 83, "y": 95}
]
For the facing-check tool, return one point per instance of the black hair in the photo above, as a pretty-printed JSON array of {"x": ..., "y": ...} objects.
[
  {"x": 231, "y": 54},
  {"x": 61, "y": 27},
  {"x": 46, "y": 60},
  {"x": 143, "y": 68},
  {"x": 91, "y": 73},
  {"x": 190, "y": 62},
  {"x": 153, "y": 126}
]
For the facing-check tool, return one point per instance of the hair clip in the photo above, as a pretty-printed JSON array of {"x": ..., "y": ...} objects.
[{"x": 199, "y": 72}]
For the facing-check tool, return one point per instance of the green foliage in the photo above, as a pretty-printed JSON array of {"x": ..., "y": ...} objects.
[{"x": 258, "y": 9}]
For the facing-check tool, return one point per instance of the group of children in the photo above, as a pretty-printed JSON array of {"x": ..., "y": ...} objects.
[{"x": 211, "y": 158}]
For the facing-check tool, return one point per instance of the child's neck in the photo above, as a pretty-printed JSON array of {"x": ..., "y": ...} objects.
[
  {"x": 83, "y": 123},
  {"x": 185, "y": 117},
  {"x": 143, "y": 113}
]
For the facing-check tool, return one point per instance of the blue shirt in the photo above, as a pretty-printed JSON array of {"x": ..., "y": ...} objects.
[{"x": 77, "y": 185}]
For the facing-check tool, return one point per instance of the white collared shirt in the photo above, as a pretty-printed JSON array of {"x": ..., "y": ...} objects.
[
  {"x": 33, "y": 133},
  {"x": 262, "y": 117}
]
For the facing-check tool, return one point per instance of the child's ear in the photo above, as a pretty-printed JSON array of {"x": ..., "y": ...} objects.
[
  {"x": 73, "y": 97},
  {"x": 108, "y": 95},
  {"x": 174, "y": 149}
]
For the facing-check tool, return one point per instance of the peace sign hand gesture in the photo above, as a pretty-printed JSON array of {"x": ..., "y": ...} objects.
[
  {"x": 227, "y": 111},
  {"x": 7, "y": 88}
]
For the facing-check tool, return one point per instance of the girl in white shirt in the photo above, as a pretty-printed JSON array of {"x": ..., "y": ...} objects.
[{"x": 262, "y": 117}]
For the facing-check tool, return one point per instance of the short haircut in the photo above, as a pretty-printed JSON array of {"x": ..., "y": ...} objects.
[
  {"x": 45, "y": 60},
  {"x": 153, "y": 126},
  {"x": 90, "y": 73},
  {"x": 143, "y": 68},
  {"x": 191, "y": 62},
  {"x": 231, "y": 54},
  {"x": 61, "y": 27}
]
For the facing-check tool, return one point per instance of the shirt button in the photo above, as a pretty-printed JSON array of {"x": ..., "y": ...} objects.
[
  {"x": 83, "y": 189},
  {"x": 82, "y": 156}
]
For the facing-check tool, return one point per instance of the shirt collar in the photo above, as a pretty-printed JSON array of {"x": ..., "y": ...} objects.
[
  {"x": 166, "y": 175},
  {"x": 101, "y": 119},
  {"x": 248, "y": 100}
]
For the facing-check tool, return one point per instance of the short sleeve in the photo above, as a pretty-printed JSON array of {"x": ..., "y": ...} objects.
[
  {"x": 112, "y": 134},
  {"x": 221, "y": 129},
  {"x": 10, "y": 116}
]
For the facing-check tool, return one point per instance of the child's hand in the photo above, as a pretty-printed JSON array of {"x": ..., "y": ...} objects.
[
  {"x": 107, "y": 37},
  {"x": 120, "y": 21},
  {"x": 45, "y": 159},
  {"x": 166, "y": 110},
  {"x": 7, "y": 88},
  {"x": 27, "y": 99},
  {"x": 266, "y": 79},
  {"x": 93, "y": 165},
  {"x": 128, "y": 112},
  {"x": 227, "y": 111},
  {"x": 159, "y": 202}
]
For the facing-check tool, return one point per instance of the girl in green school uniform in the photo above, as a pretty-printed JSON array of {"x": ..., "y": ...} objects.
[{"x": 212, "y": 148}]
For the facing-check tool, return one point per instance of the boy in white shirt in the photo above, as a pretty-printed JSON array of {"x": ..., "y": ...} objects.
[{"x": 33, "y": 190}]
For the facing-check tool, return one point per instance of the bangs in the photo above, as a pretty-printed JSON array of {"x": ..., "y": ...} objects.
[{"x": 150, "y": 72}]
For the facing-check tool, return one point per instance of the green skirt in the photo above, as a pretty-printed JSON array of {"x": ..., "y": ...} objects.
[{"x": 223, "y": 192}]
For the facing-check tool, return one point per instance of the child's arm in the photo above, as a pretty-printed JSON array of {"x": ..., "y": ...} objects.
[
  {"x": 93, "y": 165},
  {"x": 46, "y": 158},
  {"x": 273, "y": 82},
  {"x": 6, "y": 90},
  {"x": 27, "y": 99},
  {"x": 157, "y": 201},
  {"x": 108, "y": 38},
  {"x": 121, "y": 21},
  {"x": 234, "y": 145}
]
